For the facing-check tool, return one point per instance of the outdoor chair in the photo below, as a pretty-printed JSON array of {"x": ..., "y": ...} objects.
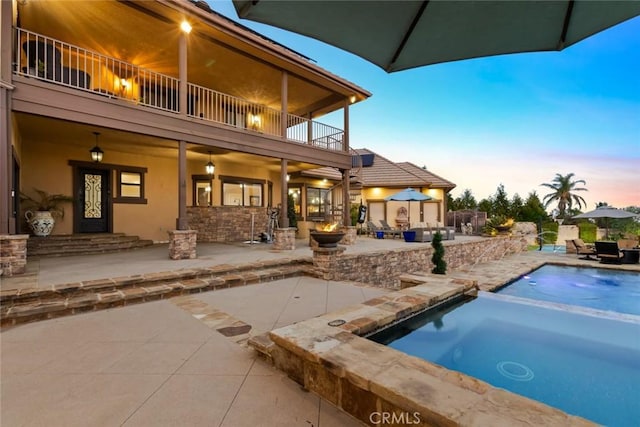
[
  {"x": 386, "y": 228},
  {"x": 423, "y": 234},
  {"x": 609, "y": 252},
  {"x": 583, "y": 249}
]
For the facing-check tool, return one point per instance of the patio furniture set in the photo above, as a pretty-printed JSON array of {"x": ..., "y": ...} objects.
[
  {"x": 420, "y": 232},
  {"x": 624, "y": 251}
]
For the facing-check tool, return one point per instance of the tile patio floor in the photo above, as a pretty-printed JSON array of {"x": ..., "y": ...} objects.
[{"x": 165, "y": 363}]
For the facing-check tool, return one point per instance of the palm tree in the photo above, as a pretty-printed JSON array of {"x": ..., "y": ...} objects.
[{"x": 563, "y": 188}]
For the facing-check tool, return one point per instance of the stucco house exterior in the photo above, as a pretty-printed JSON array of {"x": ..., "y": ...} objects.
[
  {"x": 373, "y": 178},
  {"x": 163, "y": 88}
]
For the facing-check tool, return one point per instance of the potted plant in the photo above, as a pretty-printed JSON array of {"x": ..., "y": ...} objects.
[{"x": 42, "y": 210}]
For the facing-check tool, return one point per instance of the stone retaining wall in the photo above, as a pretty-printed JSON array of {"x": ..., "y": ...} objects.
[
  {"x": 13, "y": 254},
  {"x": 384, "y": 268},
  {"x": 227, "y": 223}
]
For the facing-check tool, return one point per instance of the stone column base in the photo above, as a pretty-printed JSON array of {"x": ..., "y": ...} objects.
[
  {"x": 284, "y": 239},
  {"x": 325, "y": 261},
  {"x": 350, "y": 235},
  {"x": 182, "y": 244},
  {"x": 13, "y": 254}
]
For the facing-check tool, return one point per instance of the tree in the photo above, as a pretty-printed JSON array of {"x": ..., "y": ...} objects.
[
  {"x": 452, "y": 205},
  {"x": 533, "y": 210},
  {"x": 516, "y": 206},
  {"x": 500, "y": 202},
  {"x": 563, "y": 192},
  {"x": 466, "y": 200},
  {"x": 486, "y": 205}
]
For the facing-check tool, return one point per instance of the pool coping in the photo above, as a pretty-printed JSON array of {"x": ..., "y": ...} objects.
[{"x": 368, "y": 380}]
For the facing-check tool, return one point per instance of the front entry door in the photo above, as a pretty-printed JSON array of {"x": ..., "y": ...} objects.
[{"x": 93, "y": 201}]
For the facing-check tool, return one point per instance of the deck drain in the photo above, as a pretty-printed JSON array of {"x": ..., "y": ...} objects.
[
  {"x": 515, "y": 371},
  {"x": 337, "y": 322}
]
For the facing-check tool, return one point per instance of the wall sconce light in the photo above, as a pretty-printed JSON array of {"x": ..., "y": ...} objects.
[
  {"x": 185, "y": 27},
  {"x": 210, "y": 167},
  {"x": 96, "y": 152},
  {"x": 255, "y": 121},
  {"x": 124, "y": 85},
  {"x": 288, "y": 177}
]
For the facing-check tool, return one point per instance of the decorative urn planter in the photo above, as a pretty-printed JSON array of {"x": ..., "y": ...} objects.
[{"x": 41, "y": 222}]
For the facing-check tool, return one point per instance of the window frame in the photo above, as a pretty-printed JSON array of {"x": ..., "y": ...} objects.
[
  {"x": 320, "y": 214},
  {"x": 195, "y": 179},
  {"x": 119, "y": 198},
  {"x": 224, "y": 179}
]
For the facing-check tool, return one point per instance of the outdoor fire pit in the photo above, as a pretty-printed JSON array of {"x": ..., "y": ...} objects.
[{"x": 327, "y": 239}]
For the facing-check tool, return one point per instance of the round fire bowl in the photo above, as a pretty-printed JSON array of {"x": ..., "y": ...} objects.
[{"x": 327, "y": 239}]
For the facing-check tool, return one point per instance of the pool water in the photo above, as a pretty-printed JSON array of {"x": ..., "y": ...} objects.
[
  {"x": 597, "y": 288},
  {"x": 582, "y": 364}
]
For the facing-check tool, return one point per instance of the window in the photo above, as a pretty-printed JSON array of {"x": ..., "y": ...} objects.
[
  {"x": 317, "y": 202},
  {"x": 294, "y": 192},
  {"x": 202, "y": 190},
  {"x": 130, "y": 185},
  {"x": 242, "y": 192}
]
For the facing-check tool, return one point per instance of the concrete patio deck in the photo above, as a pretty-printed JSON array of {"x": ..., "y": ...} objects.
[{"x": 180, "y": 361}]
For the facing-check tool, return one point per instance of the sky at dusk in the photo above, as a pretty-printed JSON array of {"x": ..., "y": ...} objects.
[{"x": 515, "y": 120}]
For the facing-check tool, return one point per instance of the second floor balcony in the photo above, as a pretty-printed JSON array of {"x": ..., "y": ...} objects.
[{"x": 56, "y": 61}]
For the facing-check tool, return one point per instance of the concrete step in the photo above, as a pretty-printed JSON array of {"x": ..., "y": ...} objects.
[
  {"x": 27, "y": 305},
  {"x": 76, "y": 244}
]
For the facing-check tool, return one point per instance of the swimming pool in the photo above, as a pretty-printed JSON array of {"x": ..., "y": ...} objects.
[
  {"x": 571, "y": 359},
  {"x": 602, "y": 289}
]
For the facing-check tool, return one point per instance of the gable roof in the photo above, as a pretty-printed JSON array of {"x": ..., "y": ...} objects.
[
  {"x": 385, "y": 173},
  {"x": 436, "y": 180}
]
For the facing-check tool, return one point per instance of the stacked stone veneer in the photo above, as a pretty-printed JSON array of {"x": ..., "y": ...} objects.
[
  {"x": 226, "y": 223},
  {"x": 13, "y": 254},
  {"x": 350, "y": 235},
  {"x": 182, "y": 244},
  {"x": 284, "y": 239},
  {"x": 383, "y": 268}
]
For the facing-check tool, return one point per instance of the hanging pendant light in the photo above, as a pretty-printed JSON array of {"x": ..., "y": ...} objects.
[
  {"x": 96, "y": 152},
  {"x": 210, "y": 167}
]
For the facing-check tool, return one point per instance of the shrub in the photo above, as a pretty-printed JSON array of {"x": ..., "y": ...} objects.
[
  {"x": 440, "y": 265},
  {"x": 587, "y": 231}
]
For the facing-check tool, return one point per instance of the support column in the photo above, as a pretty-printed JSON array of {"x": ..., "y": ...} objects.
[
  {"x": 182, "y": 223},
  {"x": 346, "y": 203},
  {"x": 6, "y": 162},
  {"x": 284, "y": 195},
  {"x": 182, "y": 73},
  {"x": 345, "y": 139},
  {"x": 284, "y": 95},
  {"x": 346, "y": 199}
]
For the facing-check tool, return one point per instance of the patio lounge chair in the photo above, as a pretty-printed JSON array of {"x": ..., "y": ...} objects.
[
  {"x": 609, "y": 252},
  {"x": 583, "y": 249},
  {"x": 386, "y": 228}
]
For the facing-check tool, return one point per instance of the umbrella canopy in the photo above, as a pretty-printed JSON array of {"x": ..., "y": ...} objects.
[
  {"x": 607, "y": 212},
  {"x": 398, "y": 35},
  {"x": 408, "y": 195}
]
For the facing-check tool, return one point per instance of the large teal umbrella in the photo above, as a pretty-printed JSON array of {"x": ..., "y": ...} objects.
[
  {"x": 402, "y": 34},
  {"x": 408, "y": 195}
]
